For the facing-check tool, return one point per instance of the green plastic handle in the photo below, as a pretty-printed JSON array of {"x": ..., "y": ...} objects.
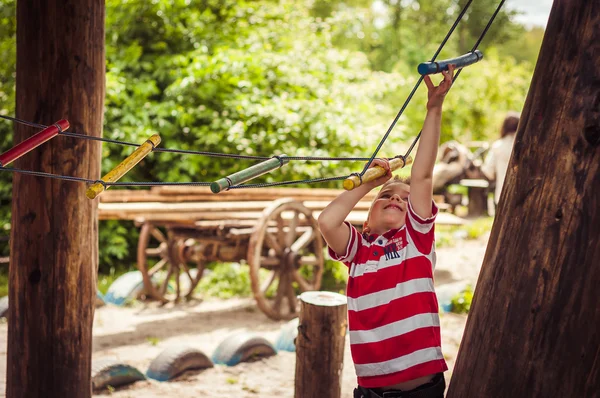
[{"x": 247, "y": 174}]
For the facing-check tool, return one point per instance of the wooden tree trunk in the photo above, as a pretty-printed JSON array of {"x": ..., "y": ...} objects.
[
  {"x": 54, "y": 235},
  {"x": 533, "y": 329},
  {"x": 320, "y": 345}
]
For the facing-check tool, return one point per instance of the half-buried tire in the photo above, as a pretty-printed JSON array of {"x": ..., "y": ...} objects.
[
  {"x": 242, "y": 347},
  {"x": 109, "y": 372},
  {"x": 174, "y": 361}
]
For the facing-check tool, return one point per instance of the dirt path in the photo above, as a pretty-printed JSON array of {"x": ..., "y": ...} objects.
[{"x": 136, "y": 335}]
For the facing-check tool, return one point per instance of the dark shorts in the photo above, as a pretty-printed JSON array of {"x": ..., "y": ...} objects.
[{"x": 434, "y": 389}]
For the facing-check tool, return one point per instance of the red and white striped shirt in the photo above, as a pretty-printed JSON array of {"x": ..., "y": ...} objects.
[{"x": 392, "y": 306}]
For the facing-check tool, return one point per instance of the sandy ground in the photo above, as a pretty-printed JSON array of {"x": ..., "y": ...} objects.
[{"x": 136, "y": 335}]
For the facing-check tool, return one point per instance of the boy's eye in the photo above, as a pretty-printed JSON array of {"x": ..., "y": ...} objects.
[{"x": 385, "y": 196}]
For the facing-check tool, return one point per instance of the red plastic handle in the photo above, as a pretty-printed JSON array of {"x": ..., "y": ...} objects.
[{"x": 33, "y": 142}]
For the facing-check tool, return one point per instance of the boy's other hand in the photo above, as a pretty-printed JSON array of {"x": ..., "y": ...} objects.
[
  {"x": 385, "y": 164},
  {"x": 436, "y": 94}
]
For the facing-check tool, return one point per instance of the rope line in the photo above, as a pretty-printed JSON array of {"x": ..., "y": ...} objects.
[
  {"x": 182, "y": 151},
  {"x": 414, "y": 90},
  {"x": 261, "y": 158}
]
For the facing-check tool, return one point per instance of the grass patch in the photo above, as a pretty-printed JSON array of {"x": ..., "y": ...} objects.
[
  {"x": 479, "y": 227},
  {"x": 461, "y": 303},
  {"x": 4, "y": 282}
]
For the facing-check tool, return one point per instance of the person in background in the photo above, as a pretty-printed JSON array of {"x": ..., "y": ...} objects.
[{"x": 495, "y": 165}]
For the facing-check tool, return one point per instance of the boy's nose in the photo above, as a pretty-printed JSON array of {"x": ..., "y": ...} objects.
[{"x": 395, "y": 197}]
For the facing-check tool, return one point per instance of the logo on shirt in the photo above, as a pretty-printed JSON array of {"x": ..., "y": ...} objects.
[{"x": 391, "y": 251}]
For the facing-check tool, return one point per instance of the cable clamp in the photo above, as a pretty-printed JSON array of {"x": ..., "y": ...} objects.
[
  {"x": 280, "y": 160},
  {"x": 101, "y": 182},
  {"x": 359, "y": 175}
]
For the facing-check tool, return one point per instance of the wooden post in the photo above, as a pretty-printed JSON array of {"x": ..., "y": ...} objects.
[
  {"x": 54, "y": 234},
  {"x": 477, "y": 193},
  {"x": 533, "y": 329},
  {"x": 320, "y": 345}
]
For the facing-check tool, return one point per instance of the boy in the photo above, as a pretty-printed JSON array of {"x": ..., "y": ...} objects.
[{"x": 392, "y": 307}]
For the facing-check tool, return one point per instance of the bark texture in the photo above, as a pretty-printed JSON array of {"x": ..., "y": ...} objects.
[{"x": 54, "y": 235}]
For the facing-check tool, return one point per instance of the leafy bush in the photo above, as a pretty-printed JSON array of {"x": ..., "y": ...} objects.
[
  {"x": 479, "y": 227},
  {"x": 261, "y": 78},
  {"x": 226, "y": 280},
  {"x": 461, "y": 303}
]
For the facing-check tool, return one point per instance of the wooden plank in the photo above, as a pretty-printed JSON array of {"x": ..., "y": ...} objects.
[
  {"x": 356, "y": 217},
  {"x": 146, "y": 207},
  {"x": 176, "y": 193}
]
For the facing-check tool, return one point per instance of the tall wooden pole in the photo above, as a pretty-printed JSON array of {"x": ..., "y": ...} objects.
[
  {"x": 54, "y": 235},
  {"x": 534, "y": 326}
]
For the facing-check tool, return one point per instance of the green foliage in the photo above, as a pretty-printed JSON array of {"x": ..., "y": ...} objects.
[
  {"x": 120, "y": 240},
  {"x": 461, "y": 303},
  {"x": 4, "y": 282},
  {"x": 233, "y": 78},
  {"x": 105, "y": 279},
  {"x": 479, "y": 227},
  {"x": 335, "y": 276},
  {"x": 269, "y": 77},
  {"x": 226, "y": 280}
]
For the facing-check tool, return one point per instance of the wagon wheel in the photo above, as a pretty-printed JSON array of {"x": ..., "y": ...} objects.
[
  {"x": 286, "y": 242},
  {"x": 164, "y": 263}
]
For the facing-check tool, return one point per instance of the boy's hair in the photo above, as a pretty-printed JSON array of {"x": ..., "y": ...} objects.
[{"x": 396, "y": 179}]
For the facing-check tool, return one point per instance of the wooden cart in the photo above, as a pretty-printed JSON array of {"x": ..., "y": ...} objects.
[{"x": 274, "y": 230}]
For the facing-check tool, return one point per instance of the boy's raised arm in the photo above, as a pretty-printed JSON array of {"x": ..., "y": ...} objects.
[
  {"x": 331, "y": 220},
  {"x": 421, "y": 177}
]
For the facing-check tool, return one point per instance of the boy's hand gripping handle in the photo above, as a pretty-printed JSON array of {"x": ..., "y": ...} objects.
[
  {"x": 428, "y": 68},
  {"x": 374, "y": 173}
]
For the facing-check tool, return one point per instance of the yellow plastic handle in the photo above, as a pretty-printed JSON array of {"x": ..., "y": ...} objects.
[
  {"x": 374, "y": 173},
  {"x": 122, "y": 168}
]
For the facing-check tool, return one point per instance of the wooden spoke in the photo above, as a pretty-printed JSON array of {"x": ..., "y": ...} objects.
[
  {"x": 286, "y": 240},
  {"x": 291, "y": 232},
  {"x": 309, "y": 260},
  {"x": 270, "y": 261},
  {"x": 292, "y": 301},
  {"x": 272, "y": 243},
  {"x": 157, "y": 266},
  {"x": 158, "y": 235},
  {"x": 163, "y": 259},
  {"x": 280, "y": 228},
  {"x": 187, "y": 271},
  {"x": 303, "y": 240},
  {"x": 264, "y": 287},
  {"x": 165, "y": 284}
]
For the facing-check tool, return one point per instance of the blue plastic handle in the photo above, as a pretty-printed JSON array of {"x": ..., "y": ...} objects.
[{"x": 428, "y": 68}]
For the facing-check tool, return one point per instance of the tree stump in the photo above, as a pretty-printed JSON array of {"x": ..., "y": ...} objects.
[{"x": 320, "y": 345}]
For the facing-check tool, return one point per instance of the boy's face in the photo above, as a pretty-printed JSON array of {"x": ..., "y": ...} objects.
[{"x": 388, "y": 210}]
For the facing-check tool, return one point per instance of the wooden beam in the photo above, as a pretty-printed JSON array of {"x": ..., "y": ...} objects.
[{"x": 534, "y": 321}]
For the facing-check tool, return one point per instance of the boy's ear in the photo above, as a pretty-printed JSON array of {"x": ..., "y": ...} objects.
[{"x": 366, "y": 228}]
